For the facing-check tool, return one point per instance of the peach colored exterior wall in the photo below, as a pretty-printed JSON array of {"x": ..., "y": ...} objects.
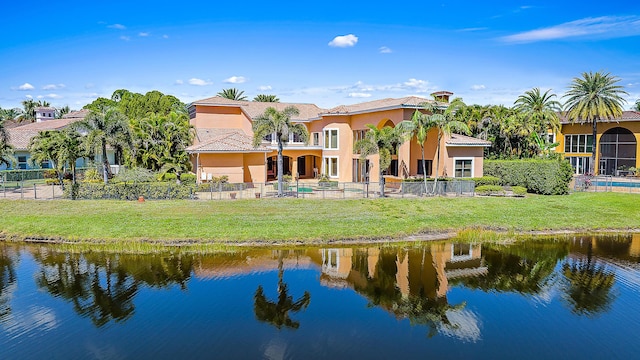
[
  {"x": 221, "y": 117},
  {"x": 239, "y": 167},
  {"x": 241, "y": 171}
]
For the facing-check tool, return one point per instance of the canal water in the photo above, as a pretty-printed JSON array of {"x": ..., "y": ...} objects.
[{"x": 570, "y": 297}]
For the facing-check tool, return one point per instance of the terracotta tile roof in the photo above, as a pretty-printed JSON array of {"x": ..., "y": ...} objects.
[
  {"x": 255, "y": 108},
  {"x": 223, "y": 140},
  {"x": 626, "y": 116},
  {"x": 411, "y": 102},
  {"x": 20, "y": 136},
  {"x": 462, "y": 140},
  {"x": 76, "y": 114}
]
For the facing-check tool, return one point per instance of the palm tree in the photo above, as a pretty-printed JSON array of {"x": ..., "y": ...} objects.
[
  {"x": 102, "y": 129},
  {"x": 232, "y": 94},
  {"x": 6, "y": 150},
  {"x": 60, "y": 112},
  {"x": 266, "y": 98},
  {"x": 592, "y": 98},
  {"x": 384, "y": 142},
  {"x": 446, "y": 125},
  {"x": 45, "y": 147},
  {"x": 541, "y": 109},
  {"x": 636, "y": 107},
  {"x": 279, "y": 123},
  {"x": 419, "y": 127}
]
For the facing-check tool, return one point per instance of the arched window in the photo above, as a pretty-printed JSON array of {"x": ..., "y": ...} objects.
[{"x": 617, "y": 151}]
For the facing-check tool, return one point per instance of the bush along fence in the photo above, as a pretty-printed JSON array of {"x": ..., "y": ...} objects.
[
  {"x": 221, "y": 191},
  {"x": 547, "y": 177}
]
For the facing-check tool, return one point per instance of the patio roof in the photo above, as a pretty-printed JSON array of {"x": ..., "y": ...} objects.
[
  {"x": 463, "y": 140},
  {"x": 223, "y": 141},
  {"x": 256, "y": 108}
]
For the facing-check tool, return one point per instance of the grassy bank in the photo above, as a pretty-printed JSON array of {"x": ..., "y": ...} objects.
[{"x": 292, "y": 220}]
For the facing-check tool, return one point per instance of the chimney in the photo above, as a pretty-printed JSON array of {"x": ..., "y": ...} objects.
[{"x": 442, "y": 96}]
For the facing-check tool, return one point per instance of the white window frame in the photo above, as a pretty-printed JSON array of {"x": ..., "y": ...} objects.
[
  {"x": 326, "y": 144},
  {"x": 456, "y": 159},
  {"x": 316, "y": 139},
  {"x": 326, "y": 166}
]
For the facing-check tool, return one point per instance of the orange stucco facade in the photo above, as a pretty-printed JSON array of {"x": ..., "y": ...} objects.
[{"x": 330, "y": 150}]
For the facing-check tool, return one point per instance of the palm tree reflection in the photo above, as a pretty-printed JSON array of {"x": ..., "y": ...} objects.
[
  {"x": 277, "y": 313},
  {"x": 588, "y": 288},
  {"x": 7, "y": 280}
]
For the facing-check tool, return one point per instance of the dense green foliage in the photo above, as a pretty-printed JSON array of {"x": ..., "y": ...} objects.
[
  {"x": 547, "y": 177},
  {"x": 489, "y": 190},
  {"x": 131, "y": 191}
]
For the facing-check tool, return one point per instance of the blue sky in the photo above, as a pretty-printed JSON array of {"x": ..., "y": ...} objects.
[{"x": 328, "y": 53}]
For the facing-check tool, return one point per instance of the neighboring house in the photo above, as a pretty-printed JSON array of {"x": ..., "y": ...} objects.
[
  {"x": 20, "y": 136},
  {"x": 616, "y": 141},
  {"x": 223, "y": 142}
]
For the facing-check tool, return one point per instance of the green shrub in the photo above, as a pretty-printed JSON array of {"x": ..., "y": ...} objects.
[
  {"x": 127, "y": 191},
  {"x": 490, "y": 190},
  {"x": 486, "y": 180},
  {"x": 92, "y": 174},
  {"x": 547, "y": 177},
  {"x": 168, "y": 177},
  {"x": 52, "y": 181},
  {"x": 519, "y": 190},
  {"x": 188, "y": 178},
  {"x": 50, "y": 174},
  {"x": 132, "y": 175}
]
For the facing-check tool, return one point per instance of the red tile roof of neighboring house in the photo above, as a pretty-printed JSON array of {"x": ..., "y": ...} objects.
[
  {"x": 76, "y": 114},
  {"x": 20, "y": 136},
  {"x": 411, "y": 102},
  {"x": 223, "y": 140},
  {"x": 626, "y": 116},
  {"x": 462, "y": 140},
  {"x": 256, "y": 108}
]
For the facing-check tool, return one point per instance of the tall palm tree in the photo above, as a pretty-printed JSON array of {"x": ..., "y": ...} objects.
[
  {"x": 636, "y": 107},
  {"x": 6, "y": 150},
  {"x": 540, "y": 109},
  {"x": 418, "y": 128},
  {"x": 592, "y": 98},
  {"x": 45, "y": 147},
  {"x": 60, "y": 112},
  {"x": 279, "y": 123},
  {"x": 29, "y": 112},
  {"x": 266, "y": 98},
  {"x": 446, "y": 125},
  {"x": 384, "y": 142},
  {"x": 232, "y": 94},
  {"x": 102, "y": 129}
]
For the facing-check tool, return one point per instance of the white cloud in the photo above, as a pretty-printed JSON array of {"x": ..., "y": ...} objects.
[
  {"x": 478, "y": 87},
  {"x": 53, "y": 87},
  {"x": 472, "y": 29},
  {"x": 125, "y": 38},
  {"x": 264, "y": 87},
  {"x": 26, "y": 87},
  {"x": 179, "y": 82},
  {"x": 384, "y": 50},
  {"x": 235, "y": 80},
  {"x": 143, "y": 34},
  {"x": 29, "y": 97},
  {"x": 199, "y": 82},
  {"x": 359, "y": 95},
  {"x": 53, "y": 96},
  {"x": 165, "y": 36},
  {"x": 599, "y": 27},
  {"x": 117, "y": 26},
  {"x": 89, "y": 86},
  {"x": 344, "y": 41}
]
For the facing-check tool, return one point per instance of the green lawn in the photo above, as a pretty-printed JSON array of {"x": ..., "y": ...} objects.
[{"x": 298, "y": 220}]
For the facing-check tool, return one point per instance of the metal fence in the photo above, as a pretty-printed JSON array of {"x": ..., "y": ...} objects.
[
  {"x": 230, "y": 191},
  {"x": 607, "y": 183}
]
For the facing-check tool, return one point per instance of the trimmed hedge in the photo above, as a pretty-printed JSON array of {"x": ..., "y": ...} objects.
[
  {"x": 547, "y": 177},
  {"x": 490, "y": 190},
  {"x": 124, "y": 191}
]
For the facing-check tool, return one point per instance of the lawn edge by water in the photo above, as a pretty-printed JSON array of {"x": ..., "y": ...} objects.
[{"x": 289, "y": 222}]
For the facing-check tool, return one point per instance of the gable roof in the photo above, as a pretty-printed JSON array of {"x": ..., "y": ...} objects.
[
  {"x": 81, "y": 114},
  {"x": 256, "y": 108},
  {"x": 223, "y": 140},
  {"x": 463, "y": 140}
]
